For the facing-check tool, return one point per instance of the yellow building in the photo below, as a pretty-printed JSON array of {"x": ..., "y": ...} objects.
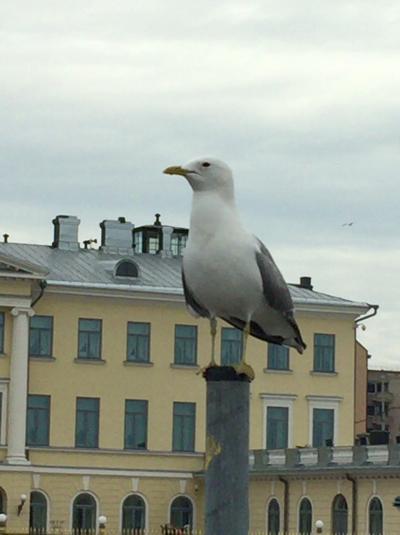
[{"x": 103, "y": 411}]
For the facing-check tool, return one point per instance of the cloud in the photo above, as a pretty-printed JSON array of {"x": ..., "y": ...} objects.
[{"x": 301, "y": 100}]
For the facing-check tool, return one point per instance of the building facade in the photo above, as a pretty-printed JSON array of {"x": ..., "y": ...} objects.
[
  {"x": 101, "y": 400},
  {"x": 384, "y": 404}
]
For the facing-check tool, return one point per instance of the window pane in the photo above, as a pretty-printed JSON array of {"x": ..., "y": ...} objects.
[
  {"x": 38, "y": 420},
  {"x": 41, "y": 336},
  {"x": 277, "y": 427},
  {"x": 135, "y": 424},
  {"x": 273, "y": 518},
  {"x": 339, "y": 515},
  {"x": 375, "y": 517},
  {"x": 2, "y": 321},
  {"x": 87, "y": 422},
  {"x": 305, "y": 517},
  {"x": 323, "y": 427},
  {"x": 184, "y": 422},
  {"x": 84, "y": 513},
  {"x": 185, "y": 344},
  {"x": 324, "y": 352},
  {"x": 181, "y": 512},
  {"x": 278, "y": 357},
  {"x": 38, "y": 513},
  {"x": 133, "y": 513},
  {"x": 89, "y": 345},
  {"x": 231, "y": 346},
  {"x": 138, "y": 342}
]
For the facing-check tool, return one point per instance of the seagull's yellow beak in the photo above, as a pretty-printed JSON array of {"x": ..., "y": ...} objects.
[{"x": 176, "y": 170}]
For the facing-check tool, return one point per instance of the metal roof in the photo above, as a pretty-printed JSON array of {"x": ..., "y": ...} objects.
[{"x": 93, "y": 268}]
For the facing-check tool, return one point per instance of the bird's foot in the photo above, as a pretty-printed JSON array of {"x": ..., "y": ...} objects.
[{"x": 244, "y": 369}]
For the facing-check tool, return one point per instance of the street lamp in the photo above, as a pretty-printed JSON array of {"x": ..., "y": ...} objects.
[
  {"x": 23, "y": 499},
  {"x": 102, "y": 521},
  {"x": 319, "y": 525}
]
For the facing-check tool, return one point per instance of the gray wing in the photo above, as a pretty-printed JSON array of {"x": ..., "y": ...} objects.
[
  {"x": 191, "y": 301},
  {"x": 275, "y": 289}
]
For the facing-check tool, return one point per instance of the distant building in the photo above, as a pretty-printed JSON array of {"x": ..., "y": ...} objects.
[
  {"x": 384, "y": 403},
  {"x": 102, "y": 411}
]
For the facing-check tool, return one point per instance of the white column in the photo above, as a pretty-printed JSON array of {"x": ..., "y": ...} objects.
[{"x": 17, "y": 399}]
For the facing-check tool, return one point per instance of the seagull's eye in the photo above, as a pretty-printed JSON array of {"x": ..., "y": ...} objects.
[{"x": 206, "y": 164}]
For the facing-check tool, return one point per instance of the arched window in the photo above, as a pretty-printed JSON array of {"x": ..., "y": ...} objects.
[
  {"x": 84, "y": 514},
  {"x": 375, "y": 514},
  {"x": 181, "y": 512},
  {"x": 3, "y": 501},
  {"x": 38, "y": 513},
  {"x": 126, "y": 268},
  {"x": 305, "y": 517},
  {"x": 339, "y": 515},
  {"x": 273, "y": 517},
  {"x": 133, "y": 514}
]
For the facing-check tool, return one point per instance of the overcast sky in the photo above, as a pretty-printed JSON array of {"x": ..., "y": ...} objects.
[{"x": 302, "y": 99}]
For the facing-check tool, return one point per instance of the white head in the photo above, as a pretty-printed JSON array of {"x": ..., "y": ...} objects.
[{"x": 206, "y": 174}]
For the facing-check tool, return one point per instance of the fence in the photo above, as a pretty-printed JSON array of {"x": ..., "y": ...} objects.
[{"x": 167, "y": 530}]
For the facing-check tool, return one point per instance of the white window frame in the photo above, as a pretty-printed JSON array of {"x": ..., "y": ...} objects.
[
  {"x": 3, "y": 428},
  {"x": 324, "y": 402},
  {"x": 278, "y": 400}
]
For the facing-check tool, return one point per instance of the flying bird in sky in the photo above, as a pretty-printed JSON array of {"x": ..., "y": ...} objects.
[{"x": 227, "y": 272}]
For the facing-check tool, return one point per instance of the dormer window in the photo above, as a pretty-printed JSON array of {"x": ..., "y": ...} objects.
[{"x": 126, "y": 268}]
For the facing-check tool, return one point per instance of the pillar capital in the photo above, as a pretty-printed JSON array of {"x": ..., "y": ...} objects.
[{"x": 16, "y": 311}]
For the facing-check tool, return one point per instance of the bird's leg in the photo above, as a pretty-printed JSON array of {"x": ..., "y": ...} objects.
[
  {"x": 213, "y": 332},
  {"x": 243, "y": 368}
]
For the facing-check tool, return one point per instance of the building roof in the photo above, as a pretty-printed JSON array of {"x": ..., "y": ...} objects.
[{"x": 92, "y": 268}]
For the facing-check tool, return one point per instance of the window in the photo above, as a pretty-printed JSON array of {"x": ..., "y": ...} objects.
[
  {"x": 41, "y": 336},
  {"x": 3, "y": 501},
  {"x": 339, "y": 515},
  {"x": 185, "y": 344},
  {"x": 323, "y": 427},
  {"x": 3, "y": 410},
  {"x": 371, "y": 410},
  {"x": 178, "y": 244},
  {"x": 181, "y": 512},
  {"x": 38, "y": 420},
  {"x": 135, "y": 424},
  {"x": 273, "y": 517},
  {"x": 278, "y": 357},
  {"x": 89, "y": 339},
  {"x": 324, "y": 352},
  {"x": 231, "y": 346},
  {"x": 87, "y": 422},
  {"x": 184, "y": 424},
  {"x": 305, "y": 517},
  {"x": 277, "y": 427},
  {"x": 371, "y": 388},
  {"x": 126, "y": 268},
  {"x": 375, "y": 514},
  {"x": 38, "y": 513},
  {"x": 133, "y": 514},
  {"x": 2, "y": 322},
  {"x": 138, "y": 342},
  {"x": 84, "y": 514},
  {"x": 138, "y": 242}
]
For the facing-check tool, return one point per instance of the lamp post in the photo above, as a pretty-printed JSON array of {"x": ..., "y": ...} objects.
[
  {"x": 21, "y": 504},
  {"x": 102, "y": 523},
  {"x": 319, "y": 526}
]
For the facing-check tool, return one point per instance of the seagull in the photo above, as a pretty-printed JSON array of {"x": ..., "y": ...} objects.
[{"x": 227, "y": 272}]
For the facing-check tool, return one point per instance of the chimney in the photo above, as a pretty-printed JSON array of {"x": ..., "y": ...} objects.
[
  {"x": 116, "y": 236},
  {"x": 66, "y": 232},
  {"x": 305, "y": 282}
]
